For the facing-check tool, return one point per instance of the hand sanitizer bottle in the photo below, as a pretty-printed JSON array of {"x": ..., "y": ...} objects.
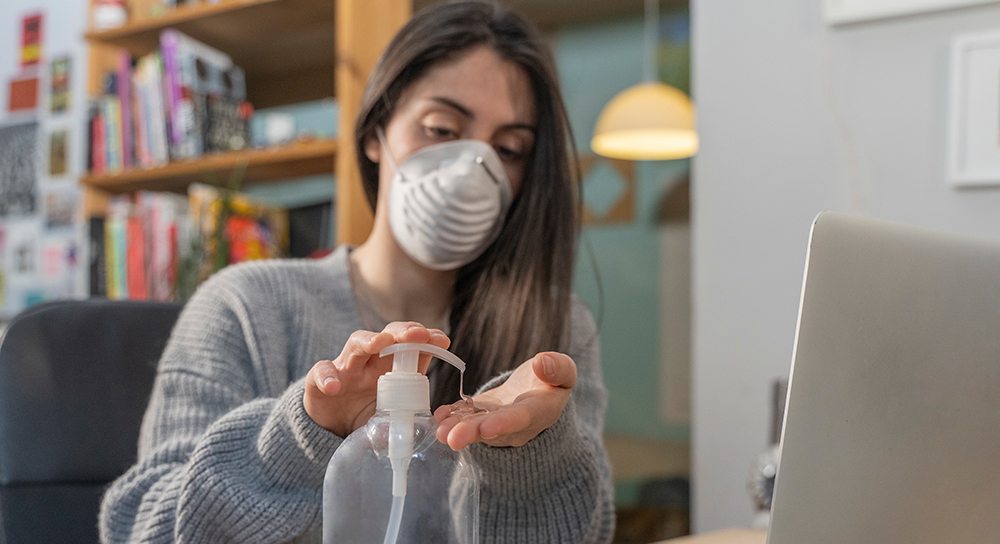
[{"x": 392, "y": 481}]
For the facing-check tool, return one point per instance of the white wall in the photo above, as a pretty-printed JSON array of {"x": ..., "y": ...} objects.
[
  {"x": 795, "y": 117},
  {"x": 63, "y": 26}
]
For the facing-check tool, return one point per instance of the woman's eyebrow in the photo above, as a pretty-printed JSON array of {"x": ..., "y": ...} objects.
[
  {"x": 467, "y": 113},
  {"x": 454, "y": 105}
]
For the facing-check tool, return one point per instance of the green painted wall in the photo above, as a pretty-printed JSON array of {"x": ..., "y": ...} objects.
[{"x": 595, "y": 63}]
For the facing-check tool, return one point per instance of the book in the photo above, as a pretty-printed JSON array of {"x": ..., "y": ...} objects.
[
  {"x": 112, "y": 116},
  {"x": 124, "y": 93},
  {"x": 97, "y": 263},
  {"x": 155, "y": 108},
  {"x": 115, "y": 247},
  {"x": 193, "y": 71},
  {"x": 135, "y": 257},
  {"x": 143, "y": 153},
  {"x": 165, "y": 216},
  {"x": 98, "y": 162},
  {"x": 235, "y": 228}
]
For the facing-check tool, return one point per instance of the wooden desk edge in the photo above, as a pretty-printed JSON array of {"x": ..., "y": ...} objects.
[{"x": 741, "y": 536}]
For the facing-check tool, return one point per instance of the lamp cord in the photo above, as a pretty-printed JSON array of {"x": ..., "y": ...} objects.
[{"x": 652, "y": 20}]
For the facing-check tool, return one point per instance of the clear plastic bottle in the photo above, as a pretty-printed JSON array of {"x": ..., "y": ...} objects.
[{"x": 392, "y": 481}]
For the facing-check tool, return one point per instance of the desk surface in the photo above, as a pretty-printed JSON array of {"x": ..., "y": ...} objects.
[{"x": 744, "y": 536}]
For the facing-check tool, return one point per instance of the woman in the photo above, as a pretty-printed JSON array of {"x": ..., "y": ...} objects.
[{"x": 465, "y": 154}]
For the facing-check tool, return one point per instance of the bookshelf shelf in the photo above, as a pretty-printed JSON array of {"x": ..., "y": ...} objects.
[
  {"x": 290, "y": 51},
  {"x": 258, "y": 35},
  {"x": 293, "y": 160}
]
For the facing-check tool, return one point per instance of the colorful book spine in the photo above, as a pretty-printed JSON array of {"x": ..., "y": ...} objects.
[
  {"x": 98, "y": 154},
  {"x": 193, "y": 71},
  {"x": 115, "y": 244},
  {"x": 158, "y": 125},
  {"x": 172, "y": 85},
  {"x": 112, "y": 133},
  {"x": 135, "y": 255},
  {"x": 111, "y": 259},
  {"x": 124, "y": 82},
  {"x": 97, "y": 258},
  {"x": 143, "y": 156}
]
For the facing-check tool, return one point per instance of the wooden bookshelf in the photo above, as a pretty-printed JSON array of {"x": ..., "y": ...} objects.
[
  {"x": 286, "y": 47},
  {"x": 294, "y": 160},
  {"x": 290, "y": 51}
]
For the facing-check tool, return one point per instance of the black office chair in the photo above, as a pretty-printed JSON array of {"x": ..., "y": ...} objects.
[{"x": 75, "y": 378}]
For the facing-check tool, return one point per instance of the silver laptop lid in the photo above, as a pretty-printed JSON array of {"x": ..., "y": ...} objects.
[{"x": 892, "y": 427}]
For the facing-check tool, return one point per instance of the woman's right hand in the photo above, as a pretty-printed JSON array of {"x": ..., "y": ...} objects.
[{"x": 340, "y": 394}]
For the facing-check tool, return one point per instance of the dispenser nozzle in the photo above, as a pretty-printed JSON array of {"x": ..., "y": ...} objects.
[
  {"x": 415, "y": 349},
  {"x": 404, "y": 392}
]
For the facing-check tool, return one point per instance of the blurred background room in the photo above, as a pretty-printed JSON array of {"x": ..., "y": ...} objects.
[{"x": 691, "y": 263}]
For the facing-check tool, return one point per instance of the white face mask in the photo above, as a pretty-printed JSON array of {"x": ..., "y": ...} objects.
[{"x": 447, "y": 202}]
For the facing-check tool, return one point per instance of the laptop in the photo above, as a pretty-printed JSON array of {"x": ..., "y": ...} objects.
[{"x": 892, "y": 425}]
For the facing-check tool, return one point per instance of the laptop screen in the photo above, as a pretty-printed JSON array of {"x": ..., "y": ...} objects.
[{"x": 892, "y": 426}]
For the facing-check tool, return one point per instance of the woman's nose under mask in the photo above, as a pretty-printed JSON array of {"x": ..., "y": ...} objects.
[{"x": 447, "y": 202}]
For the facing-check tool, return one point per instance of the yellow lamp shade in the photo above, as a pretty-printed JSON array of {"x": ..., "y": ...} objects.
[{"x": 650, "y": 121}]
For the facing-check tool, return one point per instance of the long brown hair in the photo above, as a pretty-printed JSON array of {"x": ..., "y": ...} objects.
[{"x": 514, "y": 300}]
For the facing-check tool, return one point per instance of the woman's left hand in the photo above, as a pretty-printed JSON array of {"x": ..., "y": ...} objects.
[{"x": 530, "y": 401}]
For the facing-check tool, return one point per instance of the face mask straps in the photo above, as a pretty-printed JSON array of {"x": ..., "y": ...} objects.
[
  {"x": 482, "y": 162},
  {"x": 384, "y": 142}
]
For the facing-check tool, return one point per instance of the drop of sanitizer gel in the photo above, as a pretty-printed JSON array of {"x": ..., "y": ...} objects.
[{"x": 392, "y": 481}]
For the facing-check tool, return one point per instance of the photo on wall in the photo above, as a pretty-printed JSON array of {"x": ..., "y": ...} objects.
[
  {"x": 59, "y": 84},
  {"x": 58, "y": 152},
  {"x": 31, "y": 39},
  {"x": 18, "y": 183},
  {"x": 974, "y": 110},
  {"x": 60, "y": 205}
]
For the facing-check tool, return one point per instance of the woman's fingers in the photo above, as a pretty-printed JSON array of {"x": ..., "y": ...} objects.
[
  {"x": 445, "y": 426},
  {"x": 360, "y": 346},
  {"x": 512, "y": 424},
  {"x": 555, "y": 369},
  {"x": 530, "y": 401},
  {"x": 508, "y": 426},
  {"x": 463, "y": 431},
  {"x": 323, "y": 378},
  {"x": 437, "y": 338},
  {"x": 363, "y": 345},
  {"x": 340, "y": 394}
]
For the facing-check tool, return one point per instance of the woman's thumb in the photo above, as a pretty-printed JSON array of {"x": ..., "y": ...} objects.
[{"x": 555, "y": 369}]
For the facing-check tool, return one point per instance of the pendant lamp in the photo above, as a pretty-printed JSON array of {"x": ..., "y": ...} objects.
[{"x": 648, "y": 121}]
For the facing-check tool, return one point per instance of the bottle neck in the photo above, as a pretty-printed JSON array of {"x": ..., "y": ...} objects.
[
  {"x": 403, "y": 391},
  {"x": 384, "y": 413}
]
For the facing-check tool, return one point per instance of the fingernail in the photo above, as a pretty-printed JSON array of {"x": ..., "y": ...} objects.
[
  {"x": 548, "y": 366},
  {"x": 326, "y": 381},
  {"x": 487, "y": 436}
]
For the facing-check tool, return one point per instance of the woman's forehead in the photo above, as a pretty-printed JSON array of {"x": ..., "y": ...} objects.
[{"x": 483, "y": 82}]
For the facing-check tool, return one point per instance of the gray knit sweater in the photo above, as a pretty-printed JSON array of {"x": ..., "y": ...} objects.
[{"x": 227, "y": 452}]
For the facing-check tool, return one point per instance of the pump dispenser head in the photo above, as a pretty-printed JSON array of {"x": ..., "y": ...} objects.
[
  {"x": 403, "y": 392},
  {"x": 404, "y": 388}
]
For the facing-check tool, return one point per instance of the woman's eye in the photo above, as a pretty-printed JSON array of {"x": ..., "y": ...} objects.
[
  {"x": 440, "y": 133},
  {"x": 508, "y": 153}
]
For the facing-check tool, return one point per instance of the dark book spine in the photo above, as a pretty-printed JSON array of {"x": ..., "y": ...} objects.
[{"x": 97, "y": 266}]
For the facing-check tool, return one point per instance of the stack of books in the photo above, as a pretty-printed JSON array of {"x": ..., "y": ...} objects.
[
  {"x": 160, "y": 246},
  {"x": 180, "y": 102}
]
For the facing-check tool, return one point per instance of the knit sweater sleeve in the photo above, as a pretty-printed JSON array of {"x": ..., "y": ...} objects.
[
  {"x": 557, "y": 487},
  {"x": 218, "y": 460}
]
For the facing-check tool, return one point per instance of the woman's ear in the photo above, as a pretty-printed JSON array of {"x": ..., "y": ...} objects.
[{"x": 372, "y": 149}]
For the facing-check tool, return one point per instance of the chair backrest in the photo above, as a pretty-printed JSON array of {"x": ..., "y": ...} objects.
[{"x": 75, "y": 378}]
